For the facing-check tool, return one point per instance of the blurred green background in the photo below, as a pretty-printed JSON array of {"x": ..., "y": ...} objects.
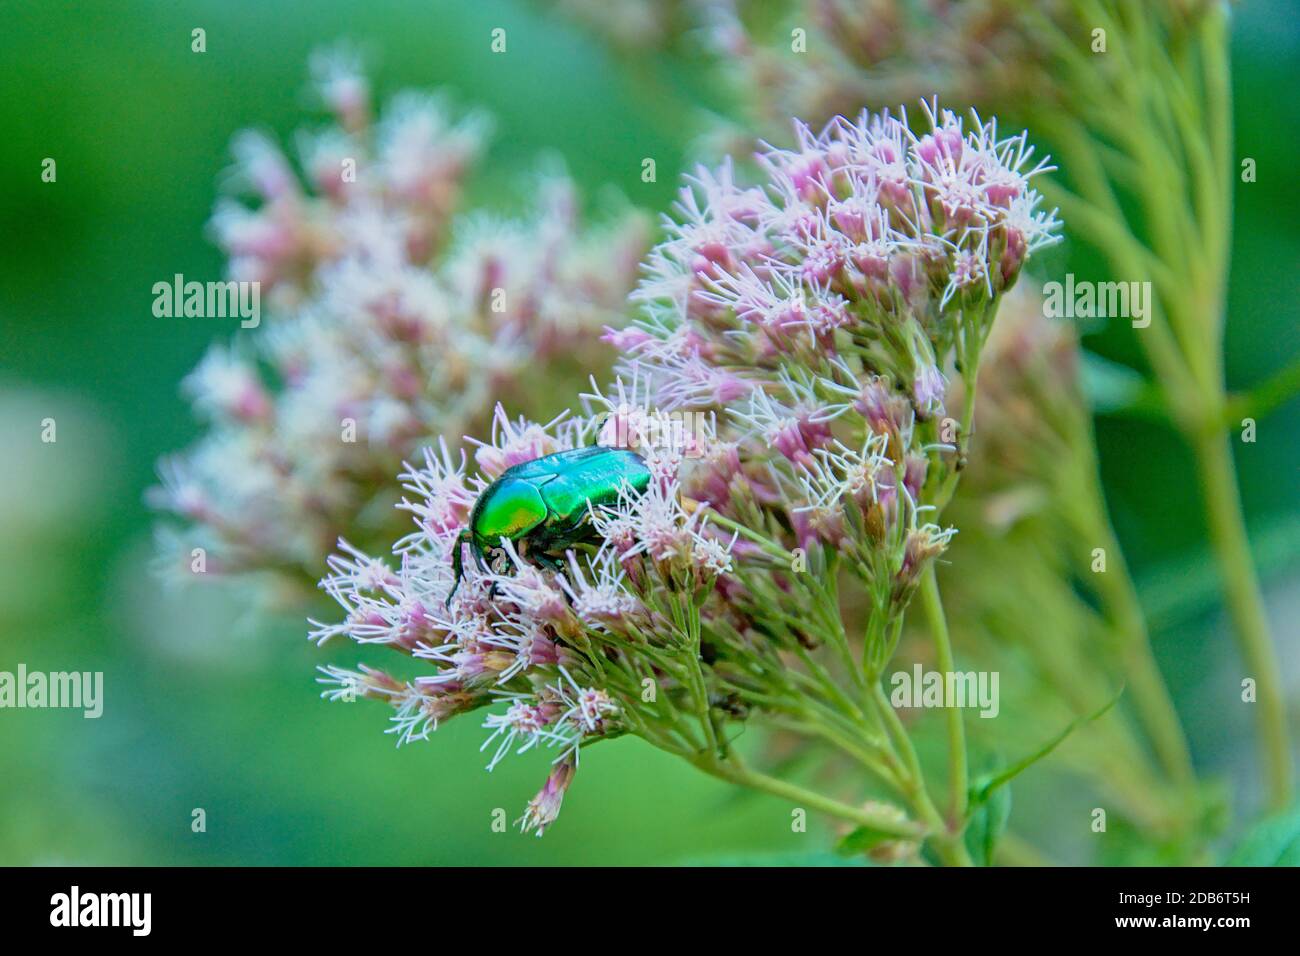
[{"x": 209, "y": 706}]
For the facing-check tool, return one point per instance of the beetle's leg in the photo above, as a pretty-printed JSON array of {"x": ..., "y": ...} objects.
[
  {"x": 458, "y": 559},
  {"x": 488, "y": 567},
  {"x": 547, "y": 561}
]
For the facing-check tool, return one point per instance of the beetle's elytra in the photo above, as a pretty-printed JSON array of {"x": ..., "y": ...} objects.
[{"x": 546, "y": 503}]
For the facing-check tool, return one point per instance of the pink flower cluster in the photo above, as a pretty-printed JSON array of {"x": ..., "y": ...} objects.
[
  {"x": 866, "y": 236},
  {"x": 391, "y": 320},
  {"x": 515, "y": 638},
  {"x": 814, "y": 321},
  {"x": 823, "y": 313}
]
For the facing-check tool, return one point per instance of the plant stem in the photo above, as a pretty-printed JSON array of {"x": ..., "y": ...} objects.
[
  {"x": 699, "y": 688},
  {"x": 907, "y": 765},
  {"x": 1013, "y": 850},
  {"x": 772, "y": 549},
  {"x": 1213, "y": 453},
  {"x": 1187, "y": 255},
  {"x": 737, "y": 772},
  {"x": 1154, "y": 703},
  {"x": 952, "y": 851},
  {"x": 957, "y": 784},
  {"x": 1266, "y": 397},
  {"x": 970, "y": 380},
  {"x": 1246, "y": 607}
]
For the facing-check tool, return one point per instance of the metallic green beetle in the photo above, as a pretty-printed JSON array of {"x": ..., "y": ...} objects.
[{"x": 546, "y": 503}]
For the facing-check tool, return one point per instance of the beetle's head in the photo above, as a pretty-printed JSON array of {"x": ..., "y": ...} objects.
[{"x": 511, "y": 509}]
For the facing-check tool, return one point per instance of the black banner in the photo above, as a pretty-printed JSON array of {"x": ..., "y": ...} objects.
[{"x": 352, "y": 905}]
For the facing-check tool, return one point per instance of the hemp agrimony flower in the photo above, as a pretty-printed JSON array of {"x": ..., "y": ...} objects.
[
  {"x": 807, "y": 328},
  {"x": 1042, "y": 64},
  {"x": 392, "y": 320}
]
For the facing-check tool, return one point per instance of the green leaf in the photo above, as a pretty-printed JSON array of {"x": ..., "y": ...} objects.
[
  {"x": 982, "y": 788},
  {"x": 987, "y": 824},
  {"x": 1272, "y": 842},
  {"x": 861, "y": 840}
]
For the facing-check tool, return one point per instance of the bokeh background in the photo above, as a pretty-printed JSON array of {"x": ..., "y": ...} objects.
[{"x": 210, "y": 703}]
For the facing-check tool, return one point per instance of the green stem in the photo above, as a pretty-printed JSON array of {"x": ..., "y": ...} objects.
[
  {"x": 952, "y": 850},
  {"x": 1213, "y": 453},
  {"x": 771, "y": 548},
  {"x": 949, "y": 487},
  {"x": 1193, "y": 242},
  {"x": 957, "y": 782},
  {"x": 1266, "y": 397},
  {"x": 1154, "y": 703},
  {"x": 736, "y": 772},
  {"x": 699, "y": 687},
  {"x": 815, "y": 727},
  {"x": 906, "y": 765},
  {"x": 1246, "y": 607},
  {"x": 1013, "y": 850},
  {"x": 1120, "y": 600}
]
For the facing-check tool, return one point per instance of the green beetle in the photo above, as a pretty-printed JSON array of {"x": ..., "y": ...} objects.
[{"x": 546, "y": 503}]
